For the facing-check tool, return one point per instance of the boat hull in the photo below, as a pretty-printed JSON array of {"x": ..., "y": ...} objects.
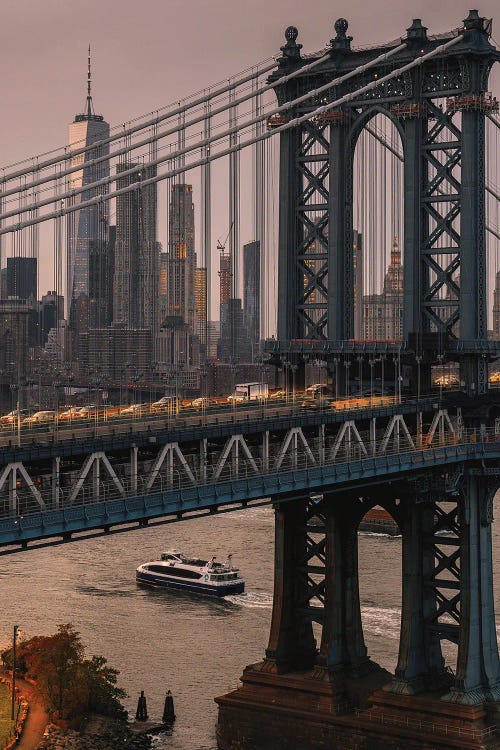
[{"x": 156, "y": 581}]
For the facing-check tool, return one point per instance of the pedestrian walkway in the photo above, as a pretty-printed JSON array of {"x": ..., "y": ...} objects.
[{"x": 37, "y": 717}]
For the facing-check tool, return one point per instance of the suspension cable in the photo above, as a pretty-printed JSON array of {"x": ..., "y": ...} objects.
[
  {"x": 181, "y": 152},
  {"x": 180, "y": 111},
  {"x": 242, "y": 144}
]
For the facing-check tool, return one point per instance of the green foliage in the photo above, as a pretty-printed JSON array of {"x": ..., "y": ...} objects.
[
  {"x": 104, "y": 694},
  {"x": 6, "y": 723},
  {"x": 72, "y": 686}
]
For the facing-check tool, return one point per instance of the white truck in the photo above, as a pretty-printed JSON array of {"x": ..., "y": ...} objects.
[{"x": 249, "y": 392}]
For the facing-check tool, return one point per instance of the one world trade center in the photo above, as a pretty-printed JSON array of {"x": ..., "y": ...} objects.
[{"x": 88, "y": 261}]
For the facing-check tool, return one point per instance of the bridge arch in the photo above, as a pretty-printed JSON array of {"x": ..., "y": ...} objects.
[
  {"x": 380, "y": 579},
  {"x": 375, "y": 190}
]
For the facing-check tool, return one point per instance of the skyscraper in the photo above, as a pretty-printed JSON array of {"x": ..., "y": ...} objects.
[
  {"x": 383, "y": 313},
  {"x": 51, "y": 311},
  {"x": 496, "y": 308},
  {"x": 251, "y": 292},
  {"x": 136, "y": 256},
  {"x": 182, "y": 257},
  {"x": 163, "y": 287},
  {"x": 200, "y": 303},
  {"x": 87, "y": 262},
  {"x": 21, "y": 278},
  {"x": 234, "y": 343},
  {"x": 225, "y": 277}
]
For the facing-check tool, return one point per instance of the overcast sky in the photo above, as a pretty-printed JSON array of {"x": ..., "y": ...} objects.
[{"x": 148, "y": 53}]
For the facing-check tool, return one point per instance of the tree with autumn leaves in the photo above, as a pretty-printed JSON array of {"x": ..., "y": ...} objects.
[{"x": 72, "y": 685}]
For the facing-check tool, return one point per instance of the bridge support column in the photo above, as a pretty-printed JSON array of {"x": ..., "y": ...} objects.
[
  {"x": 420, "y": 660},
  {"x": 477, "y": 677},
  {"x": 133, "y": 468},
  {"x": 342, "y": 647},
  {"x": 473, "y": 272},
  {"x": 56, "y": 463},
  {"x": 291, "y": 641}
]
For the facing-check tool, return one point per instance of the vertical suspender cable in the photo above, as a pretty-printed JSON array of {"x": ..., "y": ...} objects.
[
  {"x": 234, "y": 219},
  {"x": 206, "y": 232},
  {"x": 153, "y": 252},
  {"x": 259, "y": 207}
]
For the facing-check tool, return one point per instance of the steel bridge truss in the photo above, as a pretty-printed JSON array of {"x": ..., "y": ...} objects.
[{"x": 104, "y": 475}]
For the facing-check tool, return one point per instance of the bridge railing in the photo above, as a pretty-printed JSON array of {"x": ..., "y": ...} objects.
[
  {"x": 448, "y": 730},
  {"x": 177, "y": 479}
]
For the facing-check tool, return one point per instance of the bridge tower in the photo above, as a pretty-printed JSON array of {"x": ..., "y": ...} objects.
[{"x": 313, "y": 692}]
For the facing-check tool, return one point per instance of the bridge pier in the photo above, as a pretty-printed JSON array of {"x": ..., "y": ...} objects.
[{"x": 334, "y": 695}]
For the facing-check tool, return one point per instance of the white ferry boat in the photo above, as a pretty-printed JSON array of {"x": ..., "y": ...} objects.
[{"x": 175, "y": 571}]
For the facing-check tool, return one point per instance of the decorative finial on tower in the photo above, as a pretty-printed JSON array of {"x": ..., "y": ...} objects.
[
  {"x": 291, "y": 50},
  {"x": 416, "y": 34},
  {"x": 341, "y": 42},
  {"x": 89, "y": 111},
  {"x": 477, "y": 30},
  {"x": 395, "y": 253},
  {"x": 473, "y": 20}
]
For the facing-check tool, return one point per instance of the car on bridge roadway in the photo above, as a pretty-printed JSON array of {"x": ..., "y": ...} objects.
[
  {"x": 12, "y": 417},
  {"x": 168, "y": 404},
  {"x": 40, "y": 417},
  {"x": 72, "y": 413},
  {"x": 136, "y": 409},
  {"x": 278, "y": 395},
  {"x": 202, "y": 402}
]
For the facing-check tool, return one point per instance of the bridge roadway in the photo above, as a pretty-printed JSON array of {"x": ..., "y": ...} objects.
[
  {"x": 69, "y": 439},
  {"x": 230, "y": 469}
]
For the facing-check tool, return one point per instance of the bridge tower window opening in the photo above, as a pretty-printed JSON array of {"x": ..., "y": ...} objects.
[
  {"x": 380, "y": 567},
  {"x": 378, "y": 238}
]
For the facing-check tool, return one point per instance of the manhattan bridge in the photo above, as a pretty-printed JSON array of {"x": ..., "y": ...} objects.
[{"x": 396, "y": 138}]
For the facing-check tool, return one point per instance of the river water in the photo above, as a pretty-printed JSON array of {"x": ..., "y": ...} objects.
[{"x": 193, "y": 646}]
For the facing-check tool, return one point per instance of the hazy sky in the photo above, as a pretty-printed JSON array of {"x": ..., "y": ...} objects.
[{"x": 148, "y": 53}]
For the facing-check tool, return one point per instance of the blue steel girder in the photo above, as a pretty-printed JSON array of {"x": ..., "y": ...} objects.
[
  {"x": 283, "y": 486},
  {"x": 168, "y": 457},
  {"x": 311, "y": 208},
  {"x": 441, "y": 213},
  {"x": 312, "y": 564}
]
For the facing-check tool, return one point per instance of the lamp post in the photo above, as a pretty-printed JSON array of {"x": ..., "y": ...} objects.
[
  {"x": 16, "y": 628},
  {"x": 18, "y": 404},
  {"x": 294, "y": 369}
]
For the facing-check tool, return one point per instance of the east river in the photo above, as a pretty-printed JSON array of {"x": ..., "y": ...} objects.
[{"x": 193, "y": 646}]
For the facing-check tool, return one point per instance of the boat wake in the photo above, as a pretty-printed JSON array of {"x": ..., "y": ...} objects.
[{"x": 251, "y": 600}]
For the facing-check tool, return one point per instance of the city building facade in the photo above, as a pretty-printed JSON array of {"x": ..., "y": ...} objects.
[
  {"x": 251, "y": 292},
  {"x": 383, "y": 313},
  {"x": 182, "y": 256},
  {"x": 22, "y": 278},
  {"x": 87, "y": 255},
  {"x": 136, "y": 256}
]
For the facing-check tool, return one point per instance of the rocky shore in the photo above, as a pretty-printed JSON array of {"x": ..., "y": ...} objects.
[{"x": 100, "y": 733}]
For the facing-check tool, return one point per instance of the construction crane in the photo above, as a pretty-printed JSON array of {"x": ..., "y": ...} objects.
[{"x": 222, "y": 245}]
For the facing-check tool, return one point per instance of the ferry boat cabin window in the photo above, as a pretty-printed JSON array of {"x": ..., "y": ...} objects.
[{"x": 177, "y": 572}]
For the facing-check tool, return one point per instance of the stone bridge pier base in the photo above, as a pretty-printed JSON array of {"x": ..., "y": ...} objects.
[{"x": 317, "y": 688}]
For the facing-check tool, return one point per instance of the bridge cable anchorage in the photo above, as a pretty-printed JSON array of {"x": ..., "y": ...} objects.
[
  {"x": 242, "y": 144},
  {"x": 276, "y": 110},
  {"x": 97, "y": 145}
]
